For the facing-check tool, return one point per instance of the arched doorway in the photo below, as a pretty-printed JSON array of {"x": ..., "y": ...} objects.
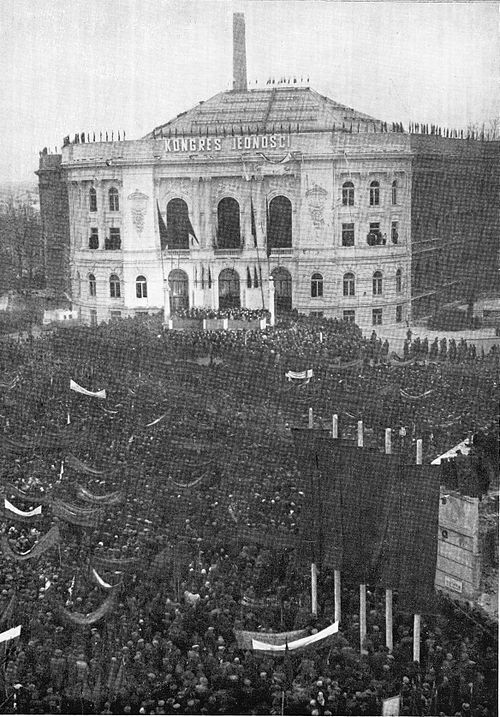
[
  {"x": 179, "y": 290},
  {"x": 229, "y": 289},
  {"x": 279, "y": 230},
  {"x": 282, "y": 289}
]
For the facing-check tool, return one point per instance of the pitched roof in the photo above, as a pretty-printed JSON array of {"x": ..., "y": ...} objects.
[{"x": 263, "y": 111}]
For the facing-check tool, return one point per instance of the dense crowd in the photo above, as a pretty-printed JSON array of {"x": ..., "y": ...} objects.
[{"x": 195, "y": 433}]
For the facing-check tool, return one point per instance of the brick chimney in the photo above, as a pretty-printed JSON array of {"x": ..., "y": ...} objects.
[{"x": 239, "y": 53}]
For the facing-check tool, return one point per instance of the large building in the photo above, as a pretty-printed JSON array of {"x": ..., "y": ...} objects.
[{"x": 351, "y": 217}]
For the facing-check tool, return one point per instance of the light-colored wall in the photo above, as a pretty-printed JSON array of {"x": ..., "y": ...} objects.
[{"x": 147, "y": 177}]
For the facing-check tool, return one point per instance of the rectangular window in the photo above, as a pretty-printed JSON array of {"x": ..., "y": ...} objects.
[
  {"x": 349, "y": 315},
  {"x": 93, "y": 317},
  {"x": 399, "y": 314},
  {"x": 376, "y": 317},
  {"x": 348, "y": 234},
  {"x": 394, "y": 232},
  {"x": 316, "y": 313},
  {"x": 113, "y": 243},
  {"x": 115, "y": 315},
  {"x": 94, "y": 238}
]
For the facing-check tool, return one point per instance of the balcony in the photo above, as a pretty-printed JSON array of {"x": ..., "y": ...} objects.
[
  {"x": 178, "y": 253},
  {"x": 233, "y": 251},
  {"x": 281, "y": 251}
]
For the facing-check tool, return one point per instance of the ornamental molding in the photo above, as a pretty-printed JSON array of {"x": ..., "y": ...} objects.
[{"x": 138, "y": 206}]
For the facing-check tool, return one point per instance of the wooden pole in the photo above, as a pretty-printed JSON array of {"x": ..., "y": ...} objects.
[
  {"x": 310, "y": 418},
  {"x": 388, "y": 591},
  {"x": 314, "y": 589},
  {"x": 360, "y": 434},
  {"x": 362, "y": 618},
  {"x": 416, "y": 618},
  {"x": 338, "y": 604},
  {"x": 362, "y": 587},
  {"x": 335, "y": 426}
]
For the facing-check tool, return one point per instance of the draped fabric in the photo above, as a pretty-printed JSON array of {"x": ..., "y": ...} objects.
[
  {"x": 84, "y": 517},
  {"x": 80, "y": 467},
  {"x": 107, "y": 499},
  {"x": 46, "y": 541},
  {"x": 301, "y": 643},
  {"x": 79, "y": 389},
  {"x": 370, "y": 516},
  {"x": 410, "y": 397},
  {"x": 299, "y": 375},
  {"x": 97, "y": 578},
  {"x": 12, "y": 510},
  {"x": 78, "y": 618},
  {"x": 116, "y": 564},
  {"x": 157, "y": 420},
  {"x": 41, "y": 499},
  {"x": 244, "y": 637}
]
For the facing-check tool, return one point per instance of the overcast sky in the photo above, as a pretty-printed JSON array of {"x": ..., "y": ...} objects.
[{"x": 90, "y": 65}]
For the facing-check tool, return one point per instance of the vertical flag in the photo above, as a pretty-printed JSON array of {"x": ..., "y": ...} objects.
[
  {"x": 268, "y": 248},
  {"x": 209, "y": 278},
  {"x": 252, "y": 219},
  {"x": 163, "y": 229},
  {"x": 191, "y": 230},
  {"x": 249, "y": 278},
  {"x": 255, "y": 278},
  {"x": 202, "y": 276}
]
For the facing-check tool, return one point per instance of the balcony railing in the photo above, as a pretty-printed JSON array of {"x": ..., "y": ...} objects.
[
  {"x": 178, "y": 252},
  {"x": 281, "y": 251},
  {"x": 234, "y": 251}
]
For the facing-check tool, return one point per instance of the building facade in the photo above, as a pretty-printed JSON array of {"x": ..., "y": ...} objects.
[{"x": 277, "y": 182}]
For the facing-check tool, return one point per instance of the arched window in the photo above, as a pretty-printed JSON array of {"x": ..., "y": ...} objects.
[
  {"x": 141, "y": 287},
  {"x": 348, "y": 194},
  {"x": 349, "y": 284},
  {"x": 92, "y": 285},
  {"x": 229, "y": 289},
  {"x": 228, "y": 223},
  {"x": 316, "y": 286},
  {"x": 374, "y": 194},
  {"x": 177, "y": 224},
  {"x": 398, "y": 281},
  {"x": 114, "y": 202},
  {"x": 114, "y": 287},
  {"x": 279, "y": 229},
  {"x": 394, "y": 194},
  {"x": 92, "y": 200},
  {"x": 377, "y": 283}
]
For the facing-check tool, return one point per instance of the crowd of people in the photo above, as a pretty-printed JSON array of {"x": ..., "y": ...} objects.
[{"x": 194, "y": 434}]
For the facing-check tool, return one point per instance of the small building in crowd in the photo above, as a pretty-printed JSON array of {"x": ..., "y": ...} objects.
[{"x": 352, "y": 217}]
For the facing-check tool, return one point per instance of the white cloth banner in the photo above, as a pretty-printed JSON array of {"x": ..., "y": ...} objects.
[
  {"x": 23, "y": 513},
  {"x": 463, "y": 447},
  {"x": 299, "y": 375},
  {"x": 100, "y": 581},
  {"x": 390, "y": 706},
  {"x": 79, "y": 389},
  {"x": 10, "y": 634},
  {"x": 297, "y": 644},
  {"x": 153, "y": 423}
]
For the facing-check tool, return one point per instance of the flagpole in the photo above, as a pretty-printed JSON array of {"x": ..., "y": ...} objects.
[
  {"x": 362, "y": 587},
  {"x": 416, "y": 617},
  {"x": 388, "y": 591},
  {"x": 336, "y": 573},
  {"x": 314, "y": 568}
]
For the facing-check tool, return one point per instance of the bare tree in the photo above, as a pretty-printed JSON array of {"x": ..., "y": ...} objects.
[{"x": 21, "y": 243}]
